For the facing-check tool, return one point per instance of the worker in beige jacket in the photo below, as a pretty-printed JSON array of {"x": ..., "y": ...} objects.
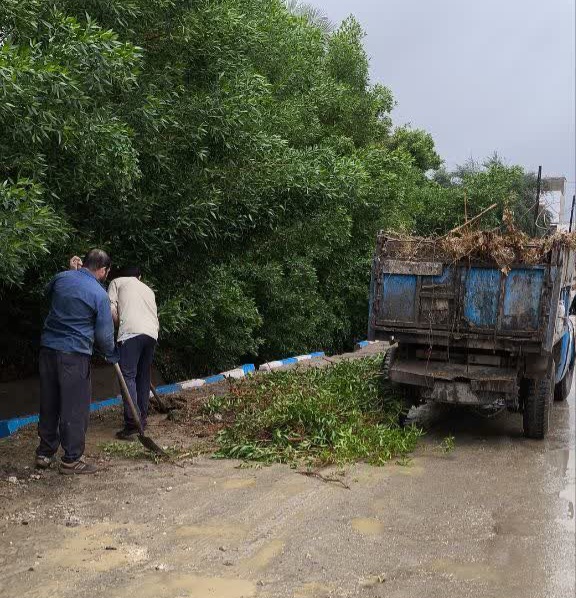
[{"x": 134, "y": 312}]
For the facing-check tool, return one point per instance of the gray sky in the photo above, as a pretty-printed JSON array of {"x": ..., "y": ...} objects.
[{"x": 481, "y": 75}]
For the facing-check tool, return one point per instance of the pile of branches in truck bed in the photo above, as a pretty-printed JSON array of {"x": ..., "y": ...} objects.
[{"x": 503, "y": 246}]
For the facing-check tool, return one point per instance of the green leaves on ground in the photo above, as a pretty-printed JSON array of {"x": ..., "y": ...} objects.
[{"x": 317, "y": 416}]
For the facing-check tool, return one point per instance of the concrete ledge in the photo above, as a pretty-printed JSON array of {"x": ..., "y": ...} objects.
[
  {"x": 364, "y": 344},
  {"x": 274, "y": 365},
  {"x": 9, "y": 426},
  {"x": 237, "y": 373}
]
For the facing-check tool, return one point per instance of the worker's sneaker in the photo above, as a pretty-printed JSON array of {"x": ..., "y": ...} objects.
[
  {"x": 79, "y": 467},
  {"x": 43, "y": 462},
  {"x": 128, "y": 434}
]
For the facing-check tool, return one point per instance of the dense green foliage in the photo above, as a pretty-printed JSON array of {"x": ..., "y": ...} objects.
[
  {"x": 474, "y": 187},
  {"x": 235, "y": 149},
  {"x": 319, "y": 415}
]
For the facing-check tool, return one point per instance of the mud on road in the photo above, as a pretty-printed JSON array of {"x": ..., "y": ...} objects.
[{"x": 493, "y": 518}]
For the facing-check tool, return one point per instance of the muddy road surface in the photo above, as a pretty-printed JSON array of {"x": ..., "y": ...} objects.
[{"x": 494, "y": 518}]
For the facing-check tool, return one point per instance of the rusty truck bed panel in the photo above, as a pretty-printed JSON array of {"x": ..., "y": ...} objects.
[{"x": 474, "y": 304}]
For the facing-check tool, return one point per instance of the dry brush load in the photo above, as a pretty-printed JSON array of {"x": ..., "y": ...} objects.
[{"x": 504, "y": 246}]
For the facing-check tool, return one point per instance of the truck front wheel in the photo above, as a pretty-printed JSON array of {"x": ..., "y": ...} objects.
[
  {"x": 537, "y": 402},
  {"x": 562, "y": 389}
]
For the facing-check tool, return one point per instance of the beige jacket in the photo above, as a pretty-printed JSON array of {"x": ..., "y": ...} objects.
[{"x": 135, "y": 304}]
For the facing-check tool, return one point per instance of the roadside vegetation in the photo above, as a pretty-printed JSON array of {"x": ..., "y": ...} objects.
[
  {"x": 235, "y": 149},
  {"x": 317, "y": 416}
]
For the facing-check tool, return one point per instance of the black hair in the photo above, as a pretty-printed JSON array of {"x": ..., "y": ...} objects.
[
  {"x": 129, "y": 271},
  {"x": 96, "y": 259}
]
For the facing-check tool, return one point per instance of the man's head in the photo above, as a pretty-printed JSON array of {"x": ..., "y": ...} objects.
[
  {"x": 130, "y": 271},
  {"x": 98, "y": 262}
]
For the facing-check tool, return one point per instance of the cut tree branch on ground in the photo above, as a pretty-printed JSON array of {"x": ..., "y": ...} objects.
[{"x": 326, "y": 479}]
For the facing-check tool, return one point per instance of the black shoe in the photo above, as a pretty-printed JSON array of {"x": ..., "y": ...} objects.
[
  {"x": 43, "y": 462},
  {"x": 128, "y": 434}
]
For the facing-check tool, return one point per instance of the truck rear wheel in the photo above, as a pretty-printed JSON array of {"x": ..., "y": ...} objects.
[
  {"x": 406, "y": 400},
  {"x": 537, "y": 403},
  {"x": 563, "y": 388}
]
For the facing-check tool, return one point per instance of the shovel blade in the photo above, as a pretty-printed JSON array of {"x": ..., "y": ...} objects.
[{"x": 148, "y": 443}]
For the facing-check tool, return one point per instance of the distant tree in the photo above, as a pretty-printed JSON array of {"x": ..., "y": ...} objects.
[
  {"x": 478, "y": 185},
  {"x": 313, "y": 14},
  {"x": 419, "y": 144}
]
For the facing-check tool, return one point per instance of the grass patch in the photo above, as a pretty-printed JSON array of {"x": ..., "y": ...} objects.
[
  {"x": 134, "y": 450},
  {"x": 318, "y": 416}
]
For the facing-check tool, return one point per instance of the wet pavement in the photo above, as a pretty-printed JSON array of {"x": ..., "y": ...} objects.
[{"x": 494, "y": 518}]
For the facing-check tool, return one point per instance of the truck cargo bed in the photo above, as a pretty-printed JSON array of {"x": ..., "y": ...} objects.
[{"x": 474, "y": 304}]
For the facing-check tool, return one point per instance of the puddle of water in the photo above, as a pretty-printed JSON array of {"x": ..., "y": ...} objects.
[
  {"x": 170, "y": 585},
  {"x": 465, "y": 571},
  {"x": 370, "y": 476},
  {"x": 313, "y": 590},
  {"x": 568, "y": 493},
  {"x": 238, "y": 483},
  {"x": 406, "y": 470},
  {"x": 516, "y": 524},
  {"x": 211, "y": 531},
  {"x": 292, "y": 485},
  {"x": 367, "y": 526},
  {"x": 264, "y": 556},
  {"x": 49, "y": 589},
  {"x": 85, "y": 548}
]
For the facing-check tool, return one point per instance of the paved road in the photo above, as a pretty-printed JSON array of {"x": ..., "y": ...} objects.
[{"x": 492, "y": 519}]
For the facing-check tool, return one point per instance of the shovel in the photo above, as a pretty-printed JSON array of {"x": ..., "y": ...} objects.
[
  {"x": 156, "y": 401},
  {"x": 146, "y": 441}
]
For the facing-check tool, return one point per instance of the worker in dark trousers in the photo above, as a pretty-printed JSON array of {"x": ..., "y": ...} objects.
[
  {"x": 134, "y": 311},
  {"x": 79, "y": 318}
]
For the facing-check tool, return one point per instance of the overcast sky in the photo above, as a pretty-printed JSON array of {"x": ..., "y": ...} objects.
[{"x": 480, "y": 75}]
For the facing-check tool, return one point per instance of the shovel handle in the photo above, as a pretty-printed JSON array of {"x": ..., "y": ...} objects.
[
  {"x": 158, "y": 402},
  {"x": 128, "y": 398}
]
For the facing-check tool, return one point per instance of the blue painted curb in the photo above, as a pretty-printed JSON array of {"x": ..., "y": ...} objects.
[
  {"x": 9, "y": 426},
  {"x": 105, "y": 403},
  {"x": 169, "y": 389}
]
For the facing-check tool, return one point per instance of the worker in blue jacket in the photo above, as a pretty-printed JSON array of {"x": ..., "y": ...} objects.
[{"x": 79, "y": 318}]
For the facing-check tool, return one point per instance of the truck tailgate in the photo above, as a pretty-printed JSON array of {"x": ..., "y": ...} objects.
[{"x": 476, "y": 304}]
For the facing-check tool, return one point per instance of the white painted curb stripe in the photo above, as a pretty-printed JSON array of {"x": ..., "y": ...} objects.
[{"x": 274, "y": 365}]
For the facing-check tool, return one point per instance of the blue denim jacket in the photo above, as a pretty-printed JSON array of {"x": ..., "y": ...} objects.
[{"x": 79, "y": 315}]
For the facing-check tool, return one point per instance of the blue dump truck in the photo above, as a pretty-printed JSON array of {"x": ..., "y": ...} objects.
[{"x": 469, "y": 332}]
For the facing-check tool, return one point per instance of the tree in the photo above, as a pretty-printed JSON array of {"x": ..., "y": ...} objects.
[{"x": 235, "y": 150}]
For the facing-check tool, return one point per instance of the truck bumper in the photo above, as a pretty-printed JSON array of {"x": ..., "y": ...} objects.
[{"x": 456, "y": 383}]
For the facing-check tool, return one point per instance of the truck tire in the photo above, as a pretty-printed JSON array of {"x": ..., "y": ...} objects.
[
  {"x": 406, "y": 401},
  {"x": 563, "y": 388},
  {"x": 537, "y": 403},
  {"x": 387, "y": 363}
]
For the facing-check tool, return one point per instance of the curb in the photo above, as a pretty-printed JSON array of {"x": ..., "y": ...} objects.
[
  {"x": 364, "y": 344},
  {"x": 237, "y": 373},
  {"x": 9, "y": 426},
  {"x": 274, "y": 365}
]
